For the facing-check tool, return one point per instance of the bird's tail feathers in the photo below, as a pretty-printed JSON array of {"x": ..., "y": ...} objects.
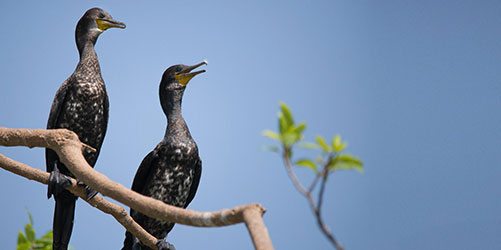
[
  {"x": 128, "y": 242},
  {"x": 64, "y": 214}
]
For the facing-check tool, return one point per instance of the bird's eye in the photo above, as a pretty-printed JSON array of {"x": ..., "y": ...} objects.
[
  {"x": 101, "y": 15},
  {"x": 178, "y": 69}
]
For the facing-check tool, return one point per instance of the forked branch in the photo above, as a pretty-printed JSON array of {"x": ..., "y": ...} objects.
[{"x": 69, "y": 149}]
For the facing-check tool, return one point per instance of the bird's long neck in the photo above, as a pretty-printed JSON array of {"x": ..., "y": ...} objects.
[
  {"x": 88, "y": 59},
  {"x": 85, "y": 38},
  {"x": 176, "y": 126}
]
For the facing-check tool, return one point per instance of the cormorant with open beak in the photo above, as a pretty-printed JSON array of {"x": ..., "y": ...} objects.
[{"x": 171, "y": 172}]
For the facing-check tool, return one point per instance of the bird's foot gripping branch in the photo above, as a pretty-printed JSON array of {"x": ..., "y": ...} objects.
[{"x": 69, "y": 149}]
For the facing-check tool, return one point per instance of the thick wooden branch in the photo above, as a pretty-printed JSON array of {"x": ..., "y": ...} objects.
[
  {"x": 69, "y": 149},
  {"x": 98, "y": 202}
]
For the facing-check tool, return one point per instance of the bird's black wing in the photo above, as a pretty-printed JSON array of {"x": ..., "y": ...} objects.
[
  {"x": 196, "y": 180},
  {"x": 143, "y": 172},
  {"x": 104, "y": 126},
  {"x": 138, "y": 185},
  {"x": 55, "y": 111},
  {"x": 106, "y": 109}
]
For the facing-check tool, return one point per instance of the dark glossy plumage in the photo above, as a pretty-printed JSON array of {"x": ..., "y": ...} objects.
[
  {"x": 80, "y": 105},
  {"x": 171, "y": 172}
]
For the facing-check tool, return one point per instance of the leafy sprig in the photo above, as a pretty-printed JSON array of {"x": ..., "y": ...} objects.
[
  {"x": 330, "y": 159},
  {"x": 332, "y": 155},
  {"x": 27, "y": 240}
]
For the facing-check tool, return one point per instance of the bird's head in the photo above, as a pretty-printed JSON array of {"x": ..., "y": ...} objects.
[
  {"x": 178, "y": 76},
  {"x": 93, "y": 23},
  {"x": 173, "y": 84}
]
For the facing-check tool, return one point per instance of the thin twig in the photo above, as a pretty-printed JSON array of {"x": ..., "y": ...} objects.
[
  {"x": 314, "y": 183},
  {"x": 318, "y": 212},
  {"x": 291, "y": 173},
  {"x": 322, "y": 188},
  {"x": 307, "y": 195}
]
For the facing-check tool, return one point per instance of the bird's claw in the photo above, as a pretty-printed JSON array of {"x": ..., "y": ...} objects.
[
  {"x": 164, "y": 245},
  {"x": 57, "y": 183},
  {"x": 90, "y": 192}
]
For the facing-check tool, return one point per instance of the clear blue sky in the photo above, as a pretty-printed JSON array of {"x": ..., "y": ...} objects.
[{"x": 413, "y": 86}]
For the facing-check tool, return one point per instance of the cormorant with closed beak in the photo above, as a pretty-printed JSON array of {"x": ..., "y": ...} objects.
[{"x": 80, "y": 105}]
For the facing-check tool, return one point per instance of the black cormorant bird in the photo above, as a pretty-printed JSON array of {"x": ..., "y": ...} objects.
[
  {"x": 80, "y": 105},
  {"x": 171, "y": 172}
]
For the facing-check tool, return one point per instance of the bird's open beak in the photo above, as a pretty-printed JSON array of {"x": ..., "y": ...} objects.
[
  {"x": 184, "y": 76},
  {"x": 104, "y": 24}
]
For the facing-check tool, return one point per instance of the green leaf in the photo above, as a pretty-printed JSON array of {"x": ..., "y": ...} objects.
[
  {"x": 346, "y": 162},
  {"x": 323, "y": 144},
  {"x": 48, "y": 236},
  {"x": 292, "y": 135},
  {"x": 24, "y": 246},
  {"x": 337, "y": 144},
  {"x": 300, "y": 128},
  {"x": 270, "y": 148},
  {"x": 42, "y": 245},
  {"x": 306, "y": 163},
  {"x": 30, "y": 217},
  {"x": 287, "y": 114},
  {"x": 21, "y": 238},
  {"x": 30, "y": 233},
  {"x": 289, "y": 138},
  {"x": 271, "y": 135},
  {"x": 282, "y": 123},
  {"x": 45, "y": 241},
  {"x": 309, "y": 145},
  {"x": 36, "y": 246}
]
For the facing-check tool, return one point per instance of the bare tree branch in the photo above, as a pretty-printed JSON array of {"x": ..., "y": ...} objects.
[
  {"x": 256, "y": 228},
  {"x": 292, "y": 175},
  {"x": 322, "y": 189},
  {"x": 317, "y": 211},
  {"x": 69, "y": 149},
  {"x": 314, "y": 183},
  {"x": 98, "y": 202},
  {"x": 307, "y": 194}
]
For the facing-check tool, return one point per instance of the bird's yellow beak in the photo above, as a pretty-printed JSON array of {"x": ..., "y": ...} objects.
[
  {"x": 104, "y": 24},
  {"x": 184, "y": 76}
]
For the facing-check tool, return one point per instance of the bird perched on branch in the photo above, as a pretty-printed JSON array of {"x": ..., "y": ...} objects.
[
  {"x": 80, "y": 105},
  {"x": 171, "y": 172}
]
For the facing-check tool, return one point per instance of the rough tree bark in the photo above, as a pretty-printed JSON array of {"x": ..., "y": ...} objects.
[{"x": 69, "y": 149}]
